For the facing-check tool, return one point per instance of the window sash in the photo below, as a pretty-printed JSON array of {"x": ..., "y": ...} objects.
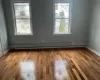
[
  {"x": 55, "y": 18},
  {"x": 61, "y": 26},
  {"x": 23, "y": 23},
  {"x": 22, "y": 17}
]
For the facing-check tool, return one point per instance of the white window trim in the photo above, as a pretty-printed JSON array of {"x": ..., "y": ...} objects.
[
  {"x": 70, "y": 15},
  {"x": 14, "y": 18}
]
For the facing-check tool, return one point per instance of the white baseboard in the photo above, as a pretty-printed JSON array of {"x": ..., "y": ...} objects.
[
  {"x": 97, "y": 53},
  {"x": 5, "y": 52}
]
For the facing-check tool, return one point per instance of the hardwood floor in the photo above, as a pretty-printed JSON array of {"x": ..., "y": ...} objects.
[{"x": 81, "y": 64}]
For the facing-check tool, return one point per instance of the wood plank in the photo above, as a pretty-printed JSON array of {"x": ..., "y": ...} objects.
[
  {"x": 76, "y": 74},
  {"x": 82, "y": 73}
]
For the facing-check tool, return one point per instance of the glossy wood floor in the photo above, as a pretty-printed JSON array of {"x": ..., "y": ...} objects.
[{"x": 82, "y": 64}]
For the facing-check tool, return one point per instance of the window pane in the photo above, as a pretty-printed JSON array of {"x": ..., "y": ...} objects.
[
  {"x": 23, "y": 26},
  {"x": 62, "y": 10},
  {"x": 61, "y": 26},
  {"x": 22, "y": 9},
  {"x": 22, "y": 18}
]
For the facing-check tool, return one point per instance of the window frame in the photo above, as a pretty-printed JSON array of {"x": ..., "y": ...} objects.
[
  {"x": 54, "y": 18},
  {"x": 14, "y": 18}
]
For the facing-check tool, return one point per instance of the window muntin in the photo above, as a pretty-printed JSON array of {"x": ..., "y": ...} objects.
[
  {"x": 22, "y": 19},
  {"x": 62, "y": 18}
]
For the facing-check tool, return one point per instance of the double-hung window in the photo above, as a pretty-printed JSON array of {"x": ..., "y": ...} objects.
[
  {"x": 62, "y": 18},
  {"x": 22, "y": 19}
]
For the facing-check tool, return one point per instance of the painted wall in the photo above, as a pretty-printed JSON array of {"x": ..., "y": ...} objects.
[
  {"x": 3, "y": 32},
  {"x": 94, "y": 37},
  {"x": 42, "y": 20}
]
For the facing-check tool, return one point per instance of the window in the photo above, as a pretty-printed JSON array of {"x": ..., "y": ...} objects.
[
  {"x": 62, "y": 18},
  {"x": 22, "y": 19}
]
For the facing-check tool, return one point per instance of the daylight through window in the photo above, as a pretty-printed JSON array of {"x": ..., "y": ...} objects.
[
  {"x": 62, "y": 18},
  {"x": 22, "y": 19}
]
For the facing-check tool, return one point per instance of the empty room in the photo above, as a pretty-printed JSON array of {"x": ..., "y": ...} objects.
[{"x": 49, "y": 39}]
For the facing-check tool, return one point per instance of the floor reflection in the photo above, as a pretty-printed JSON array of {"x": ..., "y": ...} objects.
[
  {"x": 61, "y": 72},
  {"x": 27, "y": 70}
]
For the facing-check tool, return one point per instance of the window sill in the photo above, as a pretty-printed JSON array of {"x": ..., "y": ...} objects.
[{"x": 62, "y": 33}]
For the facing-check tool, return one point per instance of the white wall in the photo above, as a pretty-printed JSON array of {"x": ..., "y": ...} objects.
[
  {"x": 94, "y": 37},
  {"x": 3, "y": 33}
]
